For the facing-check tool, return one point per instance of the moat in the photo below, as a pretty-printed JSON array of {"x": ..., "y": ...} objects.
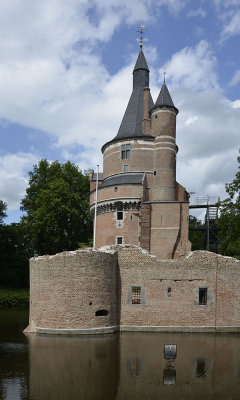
[{"x": 118, "y": 366}]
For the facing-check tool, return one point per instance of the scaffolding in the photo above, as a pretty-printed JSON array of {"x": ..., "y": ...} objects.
[{"x": 210, "y": 227}]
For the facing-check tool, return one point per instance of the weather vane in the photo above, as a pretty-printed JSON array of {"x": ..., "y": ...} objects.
[
  {"x": 164, "y": 73},
  {"x": 141, "y": 35}
]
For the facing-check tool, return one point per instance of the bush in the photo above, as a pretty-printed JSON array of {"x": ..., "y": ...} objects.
[{"x": 14, "y": 298}]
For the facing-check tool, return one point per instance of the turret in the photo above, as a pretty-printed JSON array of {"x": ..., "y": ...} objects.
[{"x": 163, "y": 124}]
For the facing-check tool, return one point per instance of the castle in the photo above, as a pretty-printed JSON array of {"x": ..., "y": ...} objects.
[
  {"x": 142, "y": 275},
  {"x": 139, "y": 200}
]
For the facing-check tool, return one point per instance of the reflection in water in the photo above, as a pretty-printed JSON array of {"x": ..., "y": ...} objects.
[
  {"x": 201, "y": 368},
  {"x": 74, "y": 367},
  {"x": 135, "y": 367},
  {"x": 118, "y": 367},
  {"x": 169, "y": 376}
]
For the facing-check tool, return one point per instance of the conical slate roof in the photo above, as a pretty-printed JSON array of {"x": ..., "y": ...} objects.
[
  {"x": 131, "y": 125},
  {"x": 164, "y": 99},
  {"x": 141, "y": 62}
]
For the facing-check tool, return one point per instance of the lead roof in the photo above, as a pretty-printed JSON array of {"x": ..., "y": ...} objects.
[
  {"x": 123, "y": 179},
  {"x": 131, "y": 125},
  {"x": 141, "y": 62}
]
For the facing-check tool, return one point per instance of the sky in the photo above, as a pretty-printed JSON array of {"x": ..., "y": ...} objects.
[{"x": 66, "y": 78}]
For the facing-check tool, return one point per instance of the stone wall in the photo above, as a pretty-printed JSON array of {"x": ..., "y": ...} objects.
[{"x": 70, "y": 290}]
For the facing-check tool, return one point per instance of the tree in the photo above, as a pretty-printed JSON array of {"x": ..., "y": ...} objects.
[
  {"x": 57, "y": 207},
  {"x": 229, "y": 220},
  {"x": 196, "y": 233},
  {"x": 3, "y": 209},
  {"x": 15, "y": 252}
]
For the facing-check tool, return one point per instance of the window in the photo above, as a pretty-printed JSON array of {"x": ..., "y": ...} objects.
[
  {"x": 101, "y": 313},
  {"x": 155, "y": 116},
  {"x": 136, "y": 294},
  {"x": 125, "y": 151},
  {"x": 115, "y": 189},
  {"x": 119, "y": 240},
  {"x": 154, "y": 172},
  {"x": 169, "y": 289},
  {"x": 125, "y": 168},
  {"x": 202, "y": 296},
  {"x": 119, "y": 215},
  {"x": 201, "y": 368}
]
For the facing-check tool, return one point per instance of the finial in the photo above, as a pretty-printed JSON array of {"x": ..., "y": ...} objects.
[
  {"x": 141, "y": 36},
  {"x": 164, "y": 73}
]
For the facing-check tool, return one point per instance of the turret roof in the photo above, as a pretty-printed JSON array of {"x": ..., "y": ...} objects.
[
  {"x": 164, "y": 98},
  {"x": 141, "y": 62}
]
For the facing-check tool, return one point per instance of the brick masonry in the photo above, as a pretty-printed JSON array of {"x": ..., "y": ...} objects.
[{"x": 68, "y": 289}]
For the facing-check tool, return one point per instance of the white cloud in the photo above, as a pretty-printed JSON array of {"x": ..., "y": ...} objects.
[
  {"x": 13, "y": 177},
  {"x": 228, "y": 13},
  {"x": 231, "y": 27},
  {"x": 199, "y": 12},
  {"x": 193, "y": 67},
  {"x": 236, "y": 78},
  {"x": 236, "y": 104},
  {"x": 208, "y": 140}
]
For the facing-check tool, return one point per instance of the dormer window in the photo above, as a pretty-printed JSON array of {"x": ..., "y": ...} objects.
[{"x": 125, "y": 151}]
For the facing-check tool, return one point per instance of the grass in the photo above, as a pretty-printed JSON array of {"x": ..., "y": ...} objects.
[{"x": 14, "y": 298}]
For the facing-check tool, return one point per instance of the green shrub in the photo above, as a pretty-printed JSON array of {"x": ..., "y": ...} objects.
[{"x": 10, "y": 298}]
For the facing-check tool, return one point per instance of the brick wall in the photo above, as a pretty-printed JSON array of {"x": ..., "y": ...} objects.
[
  {"x": 180, "y": 307},
  {"x": 67, "y": 289},
  {"x": 108, "y": 228},
  {"x": 141, "y": 157}
]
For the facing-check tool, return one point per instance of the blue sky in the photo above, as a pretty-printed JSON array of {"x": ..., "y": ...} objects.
[{"x": 66, "y": 77}]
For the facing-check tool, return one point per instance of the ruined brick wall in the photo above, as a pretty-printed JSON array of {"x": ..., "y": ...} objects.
[
  {"x": 228, "y": 292},
  {"x": 179, "y": 307},
  {"x": 69, "y": 288},
  {"x": 66, "y": 290}
]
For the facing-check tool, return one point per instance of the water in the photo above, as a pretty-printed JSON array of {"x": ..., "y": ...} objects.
[{"x": 119, "y": 366}]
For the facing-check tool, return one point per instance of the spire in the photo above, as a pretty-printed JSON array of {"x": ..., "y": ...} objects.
[
  {"x": 131, "y": 125},
  {"x": 132, "y": 120},
  {"x": 141, "y": 72},
  {"x": 164, "y": 99},
  {"x": 141, "y": 62}
]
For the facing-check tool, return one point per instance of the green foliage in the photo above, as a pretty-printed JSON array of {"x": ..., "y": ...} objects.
[
  {"x": 15, "y": 253},
  {"x": 196, "y": 237},
  {"x": 229, "y": 221},
  {"x": 14, "y": 298},
  {"x": 57, "y": 207},
  {"x": 3, "y": 209},
  {"x": 89, "y": 243}
]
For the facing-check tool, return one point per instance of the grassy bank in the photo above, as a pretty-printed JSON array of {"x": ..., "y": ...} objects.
[{"x": 14, "y": 298}]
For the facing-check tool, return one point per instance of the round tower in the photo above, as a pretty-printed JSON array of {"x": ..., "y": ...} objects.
[
  {"x": 163, "y": 123},
  {"x": 127, "y": 160}
]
